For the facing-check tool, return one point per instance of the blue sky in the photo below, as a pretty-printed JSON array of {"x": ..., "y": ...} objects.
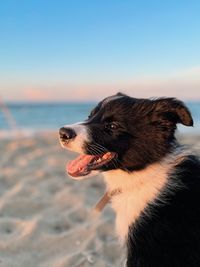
[{"x": 75, "y": 49}]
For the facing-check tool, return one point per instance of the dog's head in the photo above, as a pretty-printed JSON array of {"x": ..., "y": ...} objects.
[{"x": 125, "y": 133}]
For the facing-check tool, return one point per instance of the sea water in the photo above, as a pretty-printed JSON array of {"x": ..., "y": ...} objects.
[{"x": 51, "y": 116}]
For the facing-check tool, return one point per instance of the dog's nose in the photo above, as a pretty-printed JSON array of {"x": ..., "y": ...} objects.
[{"x": 67, "y": 133}]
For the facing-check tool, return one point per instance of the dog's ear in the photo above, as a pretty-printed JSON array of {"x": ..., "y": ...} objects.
[
  {"x": 120, "y": 94},
  {"x": 173, "y": 110}
]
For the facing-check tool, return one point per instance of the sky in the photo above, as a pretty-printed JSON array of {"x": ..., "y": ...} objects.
[{"x": 82, "y": 50}]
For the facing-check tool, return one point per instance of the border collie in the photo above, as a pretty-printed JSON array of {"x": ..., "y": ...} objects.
[{"x": 153, "y": 183}]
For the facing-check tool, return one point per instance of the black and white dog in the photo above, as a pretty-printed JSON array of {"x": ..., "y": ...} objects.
[{"x": 153, "y": 183}]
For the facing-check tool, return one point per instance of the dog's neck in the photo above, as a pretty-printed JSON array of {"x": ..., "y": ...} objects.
[{"x": 137, "y": 190}]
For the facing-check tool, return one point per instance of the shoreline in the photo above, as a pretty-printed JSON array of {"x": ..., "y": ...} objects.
[{"x": 28, "y": 133}]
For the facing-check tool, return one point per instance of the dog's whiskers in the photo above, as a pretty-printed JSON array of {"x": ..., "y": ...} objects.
[{"x": 97, "y": 148}]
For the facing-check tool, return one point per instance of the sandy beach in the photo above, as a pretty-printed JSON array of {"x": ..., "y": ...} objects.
[{"x": 45, "y": 217}]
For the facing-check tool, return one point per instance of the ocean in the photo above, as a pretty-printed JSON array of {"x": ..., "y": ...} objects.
[{"x": 51, "y": 116}]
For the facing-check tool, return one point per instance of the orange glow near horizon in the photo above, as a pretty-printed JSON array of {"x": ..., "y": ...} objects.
[
  {"x": 182, "y": 84},
  {"x": 33, "y": 94}
]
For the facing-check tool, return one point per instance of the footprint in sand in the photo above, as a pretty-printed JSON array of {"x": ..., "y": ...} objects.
[
  {"x": 11, "y": 229},
  {"x": 55, "y": 226},
  {"x": 22, "y": 208},
  {"x": 78, "y": 216}
]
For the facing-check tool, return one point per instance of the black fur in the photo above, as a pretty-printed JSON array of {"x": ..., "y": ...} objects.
[
  {"x": 141, "y": 132},
  {"x": 170, "y": 236},
  {"x": 167, "y": 234},
  {"x": 144, "y": 133}
]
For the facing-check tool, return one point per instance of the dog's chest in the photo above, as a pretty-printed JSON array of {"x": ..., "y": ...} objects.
[
  {"x": 127, "y": 209},
  {"x": 137, "y": 190}
]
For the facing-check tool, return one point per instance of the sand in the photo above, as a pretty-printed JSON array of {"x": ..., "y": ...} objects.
[{"x": 46, "y": 218}]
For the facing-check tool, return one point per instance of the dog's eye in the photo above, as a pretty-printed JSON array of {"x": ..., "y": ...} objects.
[{"x": 111, "y": 125}]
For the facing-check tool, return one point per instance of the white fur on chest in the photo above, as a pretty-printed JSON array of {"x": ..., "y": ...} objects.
[{"x": 138, "y": 189}]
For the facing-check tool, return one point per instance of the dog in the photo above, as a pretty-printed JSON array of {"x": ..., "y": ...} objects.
[{"x": 152, "y": 181}]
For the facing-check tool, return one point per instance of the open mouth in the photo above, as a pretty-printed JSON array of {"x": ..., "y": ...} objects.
[{"x": 84, "y": 164}]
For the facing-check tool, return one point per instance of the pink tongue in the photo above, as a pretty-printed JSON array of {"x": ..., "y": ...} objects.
[{"x": 79, "y": 163}]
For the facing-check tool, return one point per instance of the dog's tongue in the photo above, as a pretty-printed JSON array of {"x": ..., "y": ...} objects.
[{"x": 79, "y": 164}]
